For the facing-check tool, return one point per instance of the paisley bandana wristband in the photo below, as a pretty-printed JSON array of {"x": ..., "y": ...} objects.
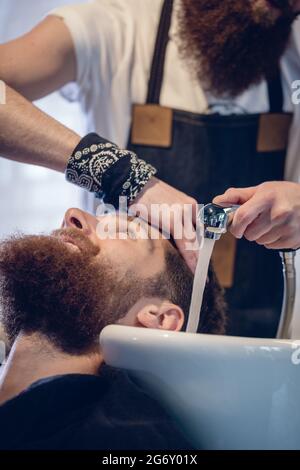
[{"x": 101, "y": 167}]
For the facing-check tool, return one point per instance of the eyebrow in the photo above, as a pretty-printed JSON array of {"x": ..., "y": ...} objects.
[{"x": 136, "y": 219}]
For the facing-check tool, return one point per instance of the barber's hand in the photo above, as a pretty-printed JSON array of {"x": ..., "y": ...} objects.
[
  {"x": 182, "y": 228},
  {"x": 269, "y": 214}
]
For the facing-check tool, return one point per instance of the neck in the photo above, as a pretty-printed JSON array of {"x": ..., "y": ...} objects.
[{"x": 33, "y": 357}]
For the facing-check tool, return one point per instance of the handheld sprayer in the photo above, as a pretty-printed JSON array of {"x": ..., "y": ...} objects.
[{"x": 216, "y": 220}]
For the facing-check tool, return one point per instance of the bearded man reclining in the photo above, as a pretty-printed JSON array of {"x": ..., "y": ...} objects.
[{"x": 57, "y": 294}]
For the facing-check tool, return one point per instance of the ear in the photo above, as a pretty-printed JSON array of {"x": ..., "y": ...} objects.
[{"x": 166, "y": 316}]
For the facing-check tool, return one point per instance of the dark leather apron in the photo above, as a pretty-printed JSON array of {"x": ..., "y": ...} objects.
[{"x": 205, "y": 154}]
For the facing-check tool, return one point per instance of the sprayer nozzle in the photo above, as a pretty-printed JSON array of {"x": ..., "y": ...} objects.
[{"x": 216, "y": 220}]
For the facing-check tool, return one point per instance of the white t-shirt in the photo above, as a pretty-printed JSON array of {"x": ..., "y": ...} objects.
[{"x": 114, "y": 42}]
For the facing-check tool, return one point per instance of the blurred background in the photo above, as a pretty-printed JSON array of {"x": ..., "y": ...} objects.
[{"x": 26, "y": 192}]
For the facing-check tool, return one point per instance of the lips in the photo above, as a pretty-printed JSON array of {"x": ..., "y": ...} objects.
[
  {"x": 69, "y": 240},
  {"x": 75, "y": 240}
]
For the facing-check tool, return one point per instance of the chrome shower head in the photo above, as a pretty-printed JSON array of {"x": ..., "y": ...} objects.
[{"x": 216, "y": 220}]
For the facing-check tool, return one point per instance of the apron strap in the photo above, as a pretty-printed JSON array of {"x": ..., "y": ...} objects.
[
  {"x": 158, "y": 62},
  {"x": 275, "y": 91}
]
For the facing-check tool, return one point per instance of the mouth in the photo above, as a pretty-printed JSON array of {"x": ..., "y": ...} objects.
[
  {"x": 73, "y": 243},
  {"x": 76, "y": 241}
]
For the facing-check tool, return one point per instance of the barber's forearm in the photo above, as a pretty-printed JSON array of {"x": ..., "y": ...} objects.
[{"x": 29, "y": 135}]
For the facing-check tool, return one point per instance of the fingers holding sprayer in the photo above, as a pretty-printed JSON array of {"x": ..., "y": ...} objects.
[{"x": 235, "y": 196}]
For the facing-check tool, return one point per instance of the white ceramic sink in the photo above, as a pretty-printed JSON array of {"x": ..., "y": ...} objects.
[{"x": 227, "y": 393}]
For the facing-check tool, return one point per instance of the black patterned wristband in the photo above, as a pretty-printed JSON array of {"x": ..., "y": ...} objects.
[{"x": 99, "y": 166}]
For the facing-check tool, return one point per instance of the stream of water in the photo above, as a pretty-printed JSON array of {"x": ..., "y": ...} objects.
[{"x": 205, "y": 252}]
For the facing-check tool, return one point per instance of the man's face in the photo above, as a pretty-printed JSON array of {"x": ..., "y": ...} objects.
[
  {"x": 122, "y": 242},
  {"x": 71, "y": 284},
  {"x": 68, "y": 286},
  {"x": 232, "y": 44}
]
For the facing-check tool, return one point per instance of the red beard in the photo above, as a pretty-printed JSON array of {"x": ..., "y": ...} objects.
[
  {"x": 67, "y": 296},
  {"x": 229, "y": 46}
]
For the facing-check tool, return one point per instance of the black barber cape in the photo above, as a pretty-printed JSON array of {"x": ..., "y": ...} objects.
[{"x": 106, "y": 412}]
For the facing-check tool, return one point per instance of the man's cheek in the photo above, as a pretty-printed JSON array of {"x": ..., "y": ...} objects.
[{"x": 121, "y": 258}]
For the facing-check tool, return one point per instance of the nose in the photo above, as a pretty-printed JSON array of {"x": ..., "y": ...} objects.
[{"x": 75, "y": 218}]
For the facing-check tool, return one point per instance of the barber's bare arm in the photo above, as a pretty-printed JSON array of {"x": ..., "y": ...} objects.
[
  {"x": 28, "y": 135},
  {"x": 40, "y": 61},
  {"x": 269, "y": 213},
  {"x": 33, "y": 66}
]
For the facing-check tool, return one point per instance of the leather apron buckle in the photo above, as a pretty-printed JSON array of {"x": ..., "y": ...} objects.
[
  {"x": 273, "y": 132},
  {"x": 152, "y": 125}
]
